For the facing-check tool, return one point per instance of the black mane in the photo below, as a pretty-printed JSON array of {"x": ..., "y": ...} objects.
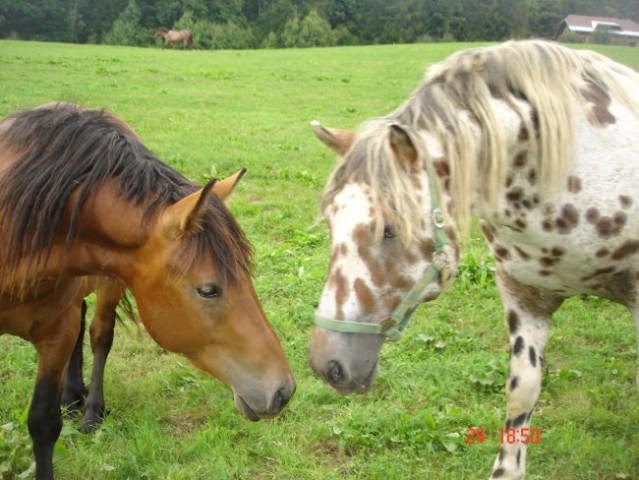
[{"x": 64, "y": 148}]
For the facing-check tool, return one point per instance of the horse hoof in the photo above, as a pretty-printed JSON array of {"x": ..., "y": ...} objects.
[{"x": 89, "y": 425}]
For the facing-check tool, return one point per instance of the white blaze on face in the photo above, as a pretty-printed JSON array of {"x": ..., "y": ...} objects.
[
  {"x": 367, "y": 278},
  {"x": 350, "y": 209}
]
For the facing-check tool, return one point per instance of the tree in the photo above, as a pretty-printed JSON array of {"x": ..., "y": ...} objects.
[
  {"x": 272, "y": 18},
  {"x": 126, "y": 29}
]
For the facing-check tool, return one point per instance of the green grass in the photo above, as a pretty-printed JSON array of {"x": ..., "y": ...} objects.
[{"x": 208, "y": 112}]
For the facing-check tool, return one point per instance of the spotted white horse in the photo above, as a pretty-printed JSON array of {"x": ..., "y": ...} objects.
[{"x": 538, "y": 141}]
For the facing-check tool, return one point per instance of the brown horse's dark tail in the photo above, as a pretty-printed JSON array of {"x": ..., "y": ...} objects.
[{"x": 190, "y": 41}]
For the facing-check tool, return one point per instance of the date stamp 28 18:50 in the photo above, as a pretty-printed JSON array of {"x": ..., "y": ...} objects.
[{"x": 506, "y": 435}]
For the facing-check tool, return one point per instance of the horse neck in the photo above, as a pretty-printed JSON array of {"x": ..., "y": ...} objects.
[{"x": 112, "y": 232}]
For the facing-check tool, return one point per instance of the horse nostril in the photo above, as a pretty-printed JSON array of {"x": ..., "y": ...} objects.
[
  {"x": 278, "y": 401},
  {"x": 335, "y": 373},
  {"x": 281, "y": 398}
]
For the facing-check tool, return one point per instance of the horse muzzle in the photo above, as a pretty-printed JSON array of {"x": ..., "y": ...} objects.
[
  {"x": 346, "y": 362},
  {"x": 255, "y": 408}
]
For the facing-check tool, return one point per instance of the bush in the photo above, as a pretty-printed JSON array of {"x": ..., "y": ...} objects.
[
  {"x": 568, "y": 37},
  {"x": 601, "y": 37},
  {"x": 343, "y": 36},
  {"x": 312, "y": 31},
  {"x": 215, "y": 36}
]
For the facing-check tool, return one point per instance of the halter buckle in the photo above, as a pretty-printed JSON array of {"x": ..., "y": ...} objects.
[
  {"x": 438, "y": 218},
  {"x": 440, "y": 260}
]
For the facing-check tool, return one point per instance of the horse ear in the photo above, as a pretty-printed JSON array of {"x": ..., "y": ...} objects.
[
  {"x": 185, "y": 216},
  {"x": 223, "y": 188},
  {"x": 337, "y": 140},
  {"x": 403, "y": 147}
]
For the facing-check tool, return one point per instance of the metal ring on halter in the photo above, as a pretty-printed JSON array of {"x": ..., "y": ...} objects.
[
  {"x": 438, "y": 217},
  {"x": 440, "y": 259}
]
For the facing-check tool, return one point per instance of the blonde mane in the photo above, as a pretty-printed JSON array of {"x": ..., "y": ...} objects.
[{"x": 545, "y": 76}]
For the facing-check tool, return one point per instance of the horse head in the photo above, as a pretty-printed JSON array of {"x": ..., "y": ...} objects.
[
  {"x": 211, "y": 316},
  {"x": 386, "y": 253}
]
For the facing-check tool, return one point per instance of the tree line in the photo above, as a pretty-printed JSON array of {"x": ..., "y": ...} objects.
[{"x": 238, "y": 24}]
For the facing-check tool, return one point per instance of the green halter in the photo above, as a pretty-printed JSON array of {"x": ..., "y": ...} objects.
[{"x": 393, "y": 326}]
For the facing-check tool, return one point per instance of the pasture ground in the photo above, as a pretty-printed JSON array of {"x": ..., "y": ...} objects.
[{"x": 211, "y": 112}]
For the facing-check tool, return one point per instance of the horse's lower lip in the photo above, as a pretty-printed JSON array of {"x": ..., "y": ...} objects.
[{"x": 248, "y": 412}]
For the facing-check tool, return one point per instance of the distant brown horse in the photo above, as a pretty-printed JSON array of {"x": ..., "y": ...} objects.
[
  {"x": 81, "y": 195},
  {"x": 174, "y": 36}
]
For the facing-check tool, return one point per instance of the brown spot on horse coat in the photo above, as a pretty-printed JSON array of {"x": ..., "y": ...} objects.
[
  {"x": 598, "y": 272},
  {"x": 427, "y": 248},
  {"x": 546, "y": 261},
  {"x": 441, "y": 168},
  {"x": 520, "y": 224},
  {"x": 523, "y": 136},
  {"x": 592, "y": 215},
  {"x": 628, "y": 248},
  {"x": 625, "y": 200},
  {"x": 600, "y": 101},
  {"x": 521, "y": 159},
  {"x": 606, "y": 226},
  {"x": 568, "y": 220},
  {"x": 341, "y": 292},
  {"x": 523, "y": 255},
  {"x": 390, "y": 303},
  {"x": 574, "y": 184},
  {"x": 488, "y": 232},
  {"x": 513, "y": 321},
  {"x": 538, "y": 302},
  {"x": 515, "y": 195},
  {"x": 501, "y": 253},
  {"x": 363, "y": 238},
  {"x": 364, "y": 295}
]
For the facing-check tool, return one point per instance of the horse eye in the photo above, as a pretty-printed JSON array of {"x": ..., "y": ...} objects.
[
  {"x": 389, "y": 232},
  {"x": 210, "y": 290}
]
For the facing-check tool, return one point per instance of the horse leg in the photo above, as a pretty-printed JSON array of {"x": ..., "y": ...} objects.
[
  {"x": 528, "y": 312},
  {"x": 101, "y": 330},
  {"x": 54, "y": 347},
  {"x": 74, "y": 389}
]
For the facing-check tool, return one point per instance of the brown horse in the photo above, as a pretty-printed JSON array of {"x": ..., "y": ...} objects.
[
  {"x": 81, "y": 195},
  {"x": 174, "y": 36}
]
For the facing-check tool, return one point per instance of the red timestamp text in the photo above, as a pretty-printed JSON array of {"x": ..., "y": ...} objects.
[{"x": 506, "y": 435}]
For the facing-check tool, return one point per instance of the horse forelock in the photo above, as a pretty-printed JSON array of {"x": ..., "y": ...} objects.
[
  {"x": 371, "y": 162},
  {"x": 64, "y": 150},
  {"x": 221, "y": 234}
]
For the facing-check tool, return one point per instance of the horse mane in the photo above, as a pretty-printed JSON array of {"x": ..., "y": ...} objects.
[
  {"x": 456, "y": 105},
  {"x": 62, "y": 150}
]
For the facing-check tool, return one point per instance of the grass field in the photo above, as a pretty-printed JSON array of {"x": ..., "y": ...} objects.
[{"x": 211, "y": 112}]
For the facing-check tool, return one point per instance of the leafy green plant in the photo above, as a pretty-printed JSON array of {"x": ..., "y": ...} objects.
[
  {"x": 477, "y": 267},
  {"x": 15, "y": 452}
]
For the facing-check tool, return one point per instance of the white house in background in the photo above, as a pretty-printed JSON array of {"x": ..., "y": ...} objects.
[{"x": 584, "y": 26}]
